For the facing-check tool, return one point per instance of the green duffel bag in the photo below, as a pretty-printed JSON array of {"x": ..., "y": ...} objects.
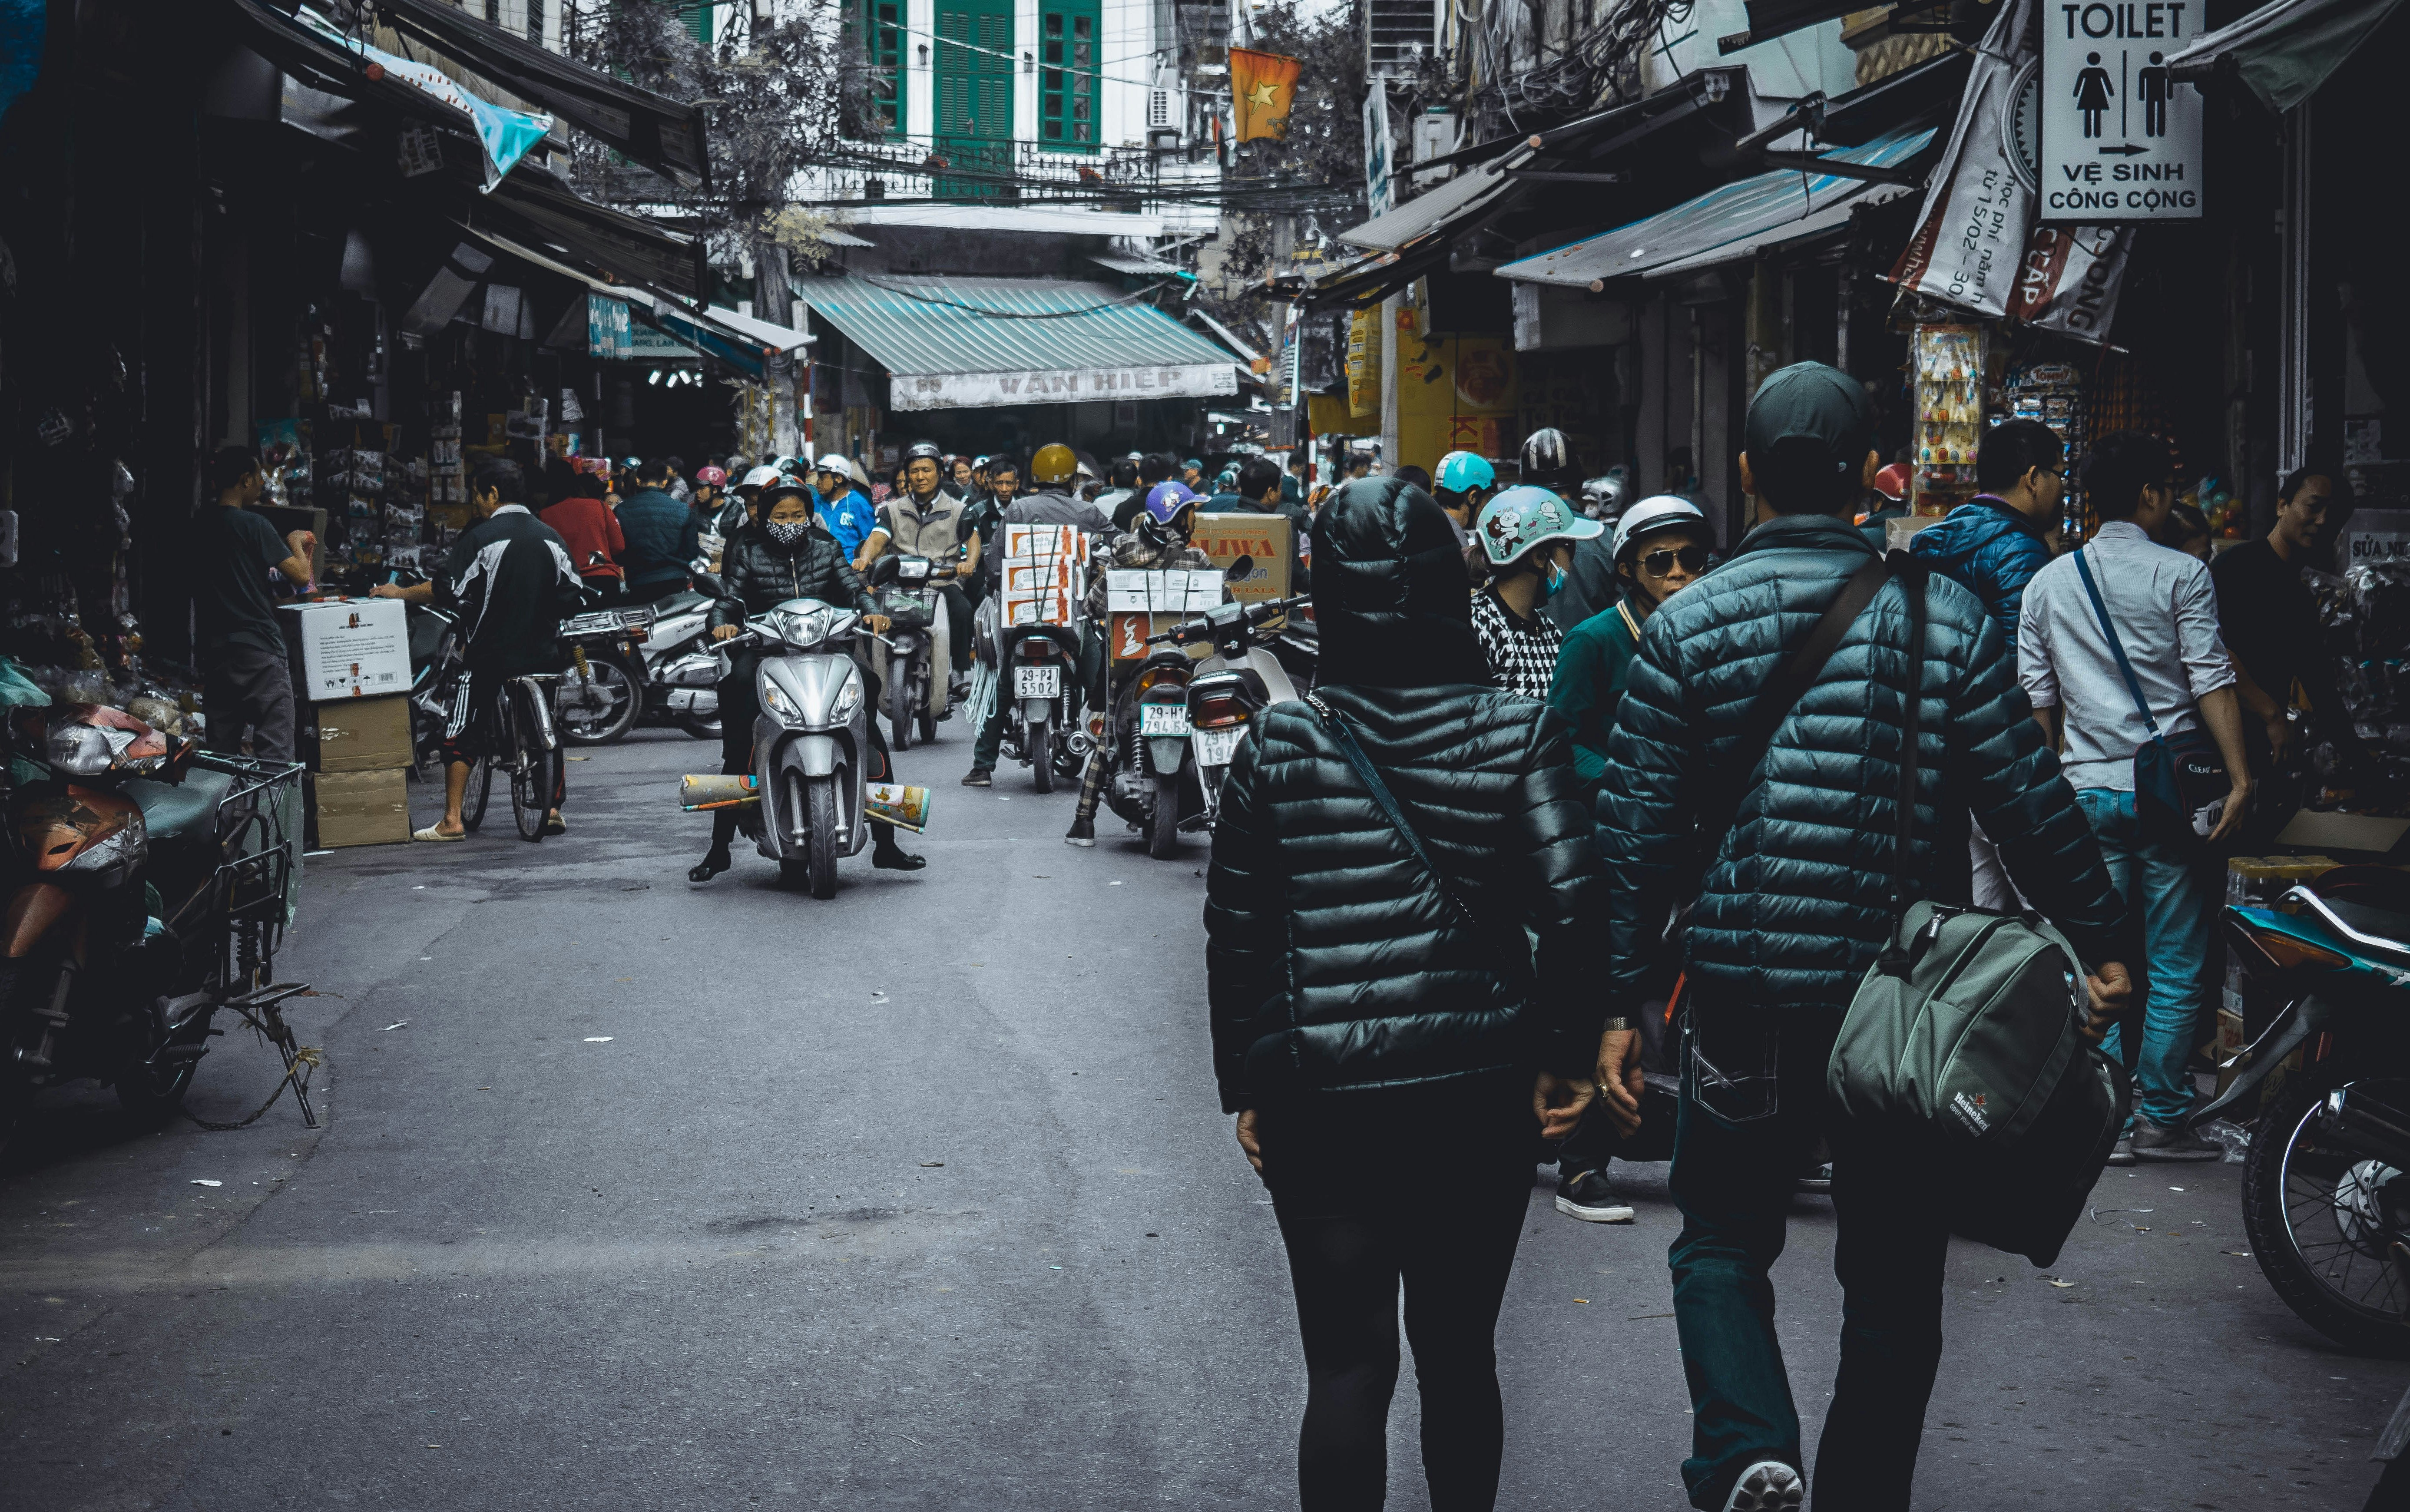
[{"x": 1969, "y": 1030}]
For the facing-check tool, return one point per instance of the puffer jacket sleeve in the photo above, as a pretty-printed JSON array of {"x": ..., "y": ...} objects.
[
  {"x": 1246, "y": 910},
  {"x": 2011, "y": 564},
  {"x": 1548, "y": 859},
  {"x": 845, "y": 584},
  {"x": 1645, "y": 815},
  {"x": 735, "y": 584},
  {"x": 2012, "y": 786}
]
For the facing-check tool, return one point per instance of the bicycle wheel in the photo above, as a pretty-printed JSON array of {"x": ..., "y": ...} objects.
[
  {"x": 533, "y": 783},
  {"x": 480, "y": 786}
]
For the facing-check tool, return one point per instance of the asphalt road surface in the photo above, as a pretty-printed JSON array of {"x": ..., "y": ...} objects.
[{"x": 633, "y": 1195}]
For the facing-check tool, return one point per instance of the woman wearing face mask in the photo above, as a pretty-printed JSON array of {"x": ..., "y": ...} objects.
[
  {"x": 762, "y": 566},
  {"x": 1661, "y": 547},
  {"x": 1526, "y": 537}
]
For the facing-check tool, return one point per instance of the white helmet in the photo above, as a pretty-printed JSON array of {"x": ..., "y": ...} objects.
[
  {"x": 835, "y": 463},
  {"x": 761, "y": 477},
  {"x": 1661, "y": 511}
]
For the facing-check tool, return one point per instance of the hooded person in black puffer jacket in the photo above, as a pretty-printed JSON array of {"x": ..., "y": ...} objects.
[
  {"x": 1793, "y": 907},
  {"x": 1390, "y": 1057}
]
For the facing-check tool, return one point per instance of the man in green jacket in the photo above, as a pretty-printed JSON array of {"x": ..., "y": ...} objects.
[{"x": 1661, "y": 547}]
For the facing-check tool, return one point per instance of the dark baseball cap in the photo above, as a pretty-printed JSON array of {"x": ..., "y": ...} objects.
[{"x": 1810, "y": 402}]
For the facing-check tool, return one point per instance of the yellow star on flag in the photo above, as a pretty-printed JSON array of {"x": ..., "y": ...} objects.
[
  {"x": 1263, "y": 87},
  {"x": 1263, "y": 96}
]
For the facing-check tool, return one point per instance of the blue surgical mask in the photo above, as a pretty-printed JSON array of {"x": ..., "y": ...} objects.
[{"x": 1556, "y": 580}]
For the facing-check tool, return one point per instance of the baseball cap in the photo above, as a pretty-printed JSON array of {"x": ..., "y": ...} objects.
[
  {"x": 1661, "y": 511},
  {"x": 1810, "y": 425}
]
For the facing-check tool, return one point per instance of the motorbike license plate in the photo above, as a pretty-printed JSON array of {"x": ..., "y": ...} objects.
[
  {"x": 1214, "y": 748},
  {"x": 1162, "y": 719},
  {"x": 1037, "y": 682}
]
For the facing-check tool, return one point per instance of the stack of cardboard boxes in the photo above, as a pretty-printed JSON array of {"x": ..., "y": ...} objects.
[{"x": 352, "y": 661}]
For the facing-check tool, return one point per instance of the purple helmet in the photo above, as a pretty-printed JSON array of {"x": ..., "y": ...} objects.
[{"x": 1165, "y": 500}]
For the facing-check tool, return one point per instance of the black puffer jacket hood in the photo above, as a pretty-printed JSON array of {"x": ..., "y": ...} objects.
[{"x": 1389, "y": 596}]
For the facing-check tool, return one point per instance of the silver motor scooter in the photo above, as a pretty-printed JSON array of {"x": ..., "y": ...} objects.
[
  {"x": 812, "y": 742},
  {"x": 1232, "y": 688}
]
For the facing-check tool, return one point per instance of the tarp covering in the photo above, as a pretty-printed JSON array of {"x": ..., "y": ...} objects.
[
  {"x": 2284, "y": 51},
  {"x": 504, "y": 135},
  {"x": 1735, "y": 213},
  {"x": 982, "y": 342}
]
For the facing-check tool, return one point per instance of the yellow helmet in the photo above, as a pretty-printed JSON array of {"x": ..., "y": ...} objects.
[{"x": 1053, "y": 464}]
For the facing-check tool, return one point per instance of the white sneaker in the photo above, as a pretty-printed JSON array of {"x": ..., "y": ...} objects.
[
  {"x": 1589, "y": 1197},
  {"x": 1768, "y": 1486}
]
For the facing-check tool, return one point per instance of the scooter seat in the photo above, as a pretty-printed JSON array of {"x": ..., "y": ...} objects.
[
  {"x": 679, "y": 603},
  {"x": 180, "y": 810}
]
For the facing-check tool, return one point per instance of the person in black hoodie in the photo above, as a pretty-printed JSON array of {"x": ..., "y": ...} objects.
[
  {"x": 783, "y": 557},
  {"x": 1365, "y": 1021}
]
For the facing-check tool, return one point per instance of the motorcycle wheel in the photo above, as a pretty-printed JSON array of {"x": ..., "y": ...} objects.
[
  {"x": 817, "y": 798},
  {"x": 150, "y": 1095},
  {"x": 2317, "y": 1219},
  {"x": 16, "y": 1092},
  {"x": 472, "y": 801},
  {"x": 1041, "y": 756},
  {"x": 531, "y": 790},
  {"x": 1162, "y": 826},
  {"x": 928, "y": 726},
  {"x": 621, "y": 690},
  {"x": 702, "y": 729},
  {"x": 899, "y": 711}
]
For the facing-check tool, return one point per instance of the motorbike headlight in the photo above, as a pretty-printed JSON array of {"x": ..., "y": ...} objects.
[
  {"x": 78, "y": 750},
  {"x": 849, "y": 697},
  {"x": 805, "y": 627},
  {"x": 128, "y": 847}
]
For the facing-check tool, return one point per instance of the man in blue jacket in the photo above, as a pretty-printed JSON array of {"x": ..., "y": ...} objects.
[
  {"x": 663, "y": 536},
  {"x": 1992, "y": 546},
  {"x": 1791, "y": 907}
]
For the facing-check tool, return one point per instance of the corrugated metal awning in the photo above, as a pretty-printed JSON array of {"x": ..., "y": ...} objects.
[
  {"x": 982, "y": 342},
  {"x": 1467, "y": 192},
  {"x": 1121, "y": 262},
  {"x": 1735, "y": 213}
]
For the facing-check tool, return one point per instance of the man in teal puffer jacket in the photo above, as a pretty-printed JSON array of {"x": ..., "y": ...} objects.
[
  {"x": 1992, "y": 545},
  {"x": 1792, "y": 908}
]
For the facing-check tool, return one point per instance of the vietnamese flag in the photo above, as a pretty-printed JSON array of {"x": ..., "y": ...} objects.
[{"x": 1263, "y": 85}]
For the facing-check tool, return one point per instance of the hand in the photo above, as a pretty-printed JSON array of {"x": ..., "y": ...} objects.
[
  {"x": 1250, "y": 1141},
  {"x": 2279, "y": 732},
  {"x": 2238, "y": 803},
  {"x": 1557, "y": 1103},
  {"x": 2106, "y": 990},
  {"x": 1618, "y": 1078},
  {"x": 301, "y": 542},
  {"x": 878, "y": 623},
  {"x": 721, "y": 632},
  {"x": 385, "y": 590}
]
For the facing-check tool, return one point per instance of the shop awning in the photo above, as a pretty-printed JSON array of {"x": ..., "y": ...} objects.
[
  {"x": 619, "y": 247},
  {"x": 1468, "y": 192},
  {"x": 1135, "y": 266},
  {"x": 2284, "y": 51},
  {"x": 1734, "y": 213},
  {"x": 952, "y": 343},
  {"x": 660, "y": 133},
  {"x": 1832, "y": 220}
]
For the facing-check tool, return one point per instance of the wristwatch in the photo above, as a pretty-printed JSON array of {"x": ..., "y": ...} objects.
[{"x": 1619, "y": 1025}]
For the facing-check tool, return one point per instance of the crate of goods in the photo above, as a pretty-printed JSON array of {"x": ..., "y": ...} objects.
[
  {"x": 361, "y": 808},
  {"x": 1046, "y": 562},
  {"x": 350, "y": 647}
]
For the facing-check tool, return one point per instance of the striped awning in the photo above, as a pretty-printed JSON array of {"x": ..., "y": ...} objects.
[{"x": 953, "y": 344}]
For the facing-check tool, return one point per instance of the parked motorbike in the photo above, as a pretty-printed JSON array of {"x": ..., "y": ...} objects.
[
  {"x": 2326, "y": 1186},
  {"x": 1231, "y": 688},
  {"x": 681, "y": 670},
  {"x": 907, "y": 596},
  {"x": 147, "y": 887},
  {"x": 601, "y": 694},
  {"x": 811, "y": 741},
  {"x": 1149, "y": 780}
]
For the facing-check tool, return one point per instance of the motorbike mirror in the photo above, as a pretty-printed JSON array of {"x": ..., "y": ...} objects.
[
  {"x": 883, "y": 570},
  {"x": 707, "y": 584},
  {"x": 1241, "y": 570}
]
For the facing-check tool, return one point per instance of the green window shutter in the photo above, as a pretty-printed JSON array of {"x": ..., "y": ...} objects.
[
  {"x": 696, "y": 17},
  {"x": 1067, "y": 34}
]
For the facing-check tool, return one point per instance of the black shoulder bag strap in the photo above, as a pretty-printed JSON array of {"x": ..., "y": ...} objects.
[{"x": 1518, "y": 965}]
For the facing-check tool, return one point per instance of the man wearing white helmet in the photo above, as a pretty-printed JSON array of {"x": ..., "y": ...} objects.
[
  {"x": 1661, "y": 547},
  {"x": 844, "y": 511}
]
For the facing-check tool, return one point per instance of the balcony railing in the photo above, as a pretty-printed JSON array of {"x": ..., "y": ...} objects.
[{"x": 1011, "y": 172}]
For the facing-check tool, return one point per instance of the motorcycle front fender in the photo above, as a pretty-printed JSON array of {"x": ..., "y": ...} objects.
[
  {"x": 33, "y": 909},
  {"x": 2300, "y": 1018},
  {"x": 813, "y": 755}
]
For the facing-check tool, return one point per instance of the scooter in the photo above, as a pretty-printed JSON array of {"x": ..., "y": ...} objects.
[
  {"x": 1035, "y": 671},
  {"x": 907, "y": 597},
  {"x": 681, "y": 670},
  {"x": 812, "y": 742},
  {"x": 602, "y": 691},
  {"x": 1148, "y": 780},
  {"x": 1234, "y": 685},
  {"x": 147, "y": 886},
  {"x": 2326, "y": 1185}
]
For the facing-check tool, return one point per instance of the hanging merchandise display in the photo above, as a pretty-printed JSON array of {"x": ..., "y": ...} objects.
[
  {"x": 1948, "y": 414},
  {"x": 2052, "y": 393}
]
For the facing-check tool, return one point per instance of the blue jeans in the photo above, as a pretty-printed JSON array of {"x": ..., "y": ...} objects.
[{"x": 2163, "y": 887}]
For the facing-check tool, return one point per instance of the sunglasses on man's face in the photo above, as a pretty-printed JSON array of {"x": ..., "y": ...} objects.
[{"x": 1660, "y": 561}]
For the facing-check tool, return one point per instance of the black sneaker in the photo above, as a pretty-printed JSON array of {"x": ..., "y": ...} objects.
[
  {"x": 2122, "y": 1153},
  {"x": 1768, "y": 1486},
  {"x": 1815, "y": 1179},
  {"x": 2152, "y": 1142},
  {"x": 980, "y": 777},
  {"x": 1589, "y": 1197},
  {"x": 1083, "y": 834}
]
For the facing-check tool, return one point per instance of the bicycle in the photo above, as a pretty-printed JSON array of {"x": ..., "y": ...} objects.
[{"x": 522, "y": 737}]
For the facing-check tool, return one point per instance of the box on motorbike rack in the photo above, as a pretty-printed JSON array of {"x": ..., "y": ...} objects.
[
  {"x": 1043, "y": 565},
  {"x": 1169, "y": 590},
  {"x": 1264, "y": 538},
  {"x": 349, "y": 647}
]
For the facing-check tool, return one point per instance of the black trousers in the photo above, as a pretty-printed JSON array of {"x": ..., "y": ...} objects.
[
  {"x": 738, "y": 705},
  {"x": 1449, "y": 1248},
  {"x": 248, "y": 688}
]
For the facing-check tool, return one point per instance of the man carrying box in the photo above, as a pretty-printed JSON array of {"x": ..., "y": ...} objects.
[
  {"x": 246, "y": 683},
  {"x": 1052, "y": 470}
]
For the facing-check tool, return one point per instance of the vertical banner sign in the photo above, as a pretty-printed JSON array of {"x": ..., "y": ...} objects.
[
  {"x": 1971, "y": 233},
  {"x": 2120, "y": 140},
  {"x": 1380, "y": 187}
]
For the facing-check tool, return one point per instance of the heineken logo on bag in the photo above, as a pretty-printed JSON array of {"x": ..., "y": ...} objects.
[{"x": 1970, "y": 1109}]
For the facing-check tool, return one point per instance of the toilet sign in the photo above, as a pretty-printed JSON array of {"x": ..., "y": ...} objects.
[{"x": 2120, "y": 140}]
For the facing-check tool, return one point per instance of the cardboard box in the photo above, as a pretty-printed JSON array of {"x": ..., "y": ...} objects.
[
  {"x": 1037, "y": 577},
  {"x": 1178, "y": 589},
  {"x": 365, "y": 734},
  {"x": 1047, "y": 608},
  {"x": 1044, "y": 542},
  {"x": 1264, "y": 538},
  {"x": 2310, "y": 830},
  {"x": 361, "y": 808},
  {"x": 1126, "y": 641},
  {"x": 350, "y": 647}
]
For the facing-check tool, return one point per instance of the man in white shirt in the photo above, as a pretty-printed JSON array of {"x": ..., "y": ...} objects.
[{"x": 2164, "y": 612}]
